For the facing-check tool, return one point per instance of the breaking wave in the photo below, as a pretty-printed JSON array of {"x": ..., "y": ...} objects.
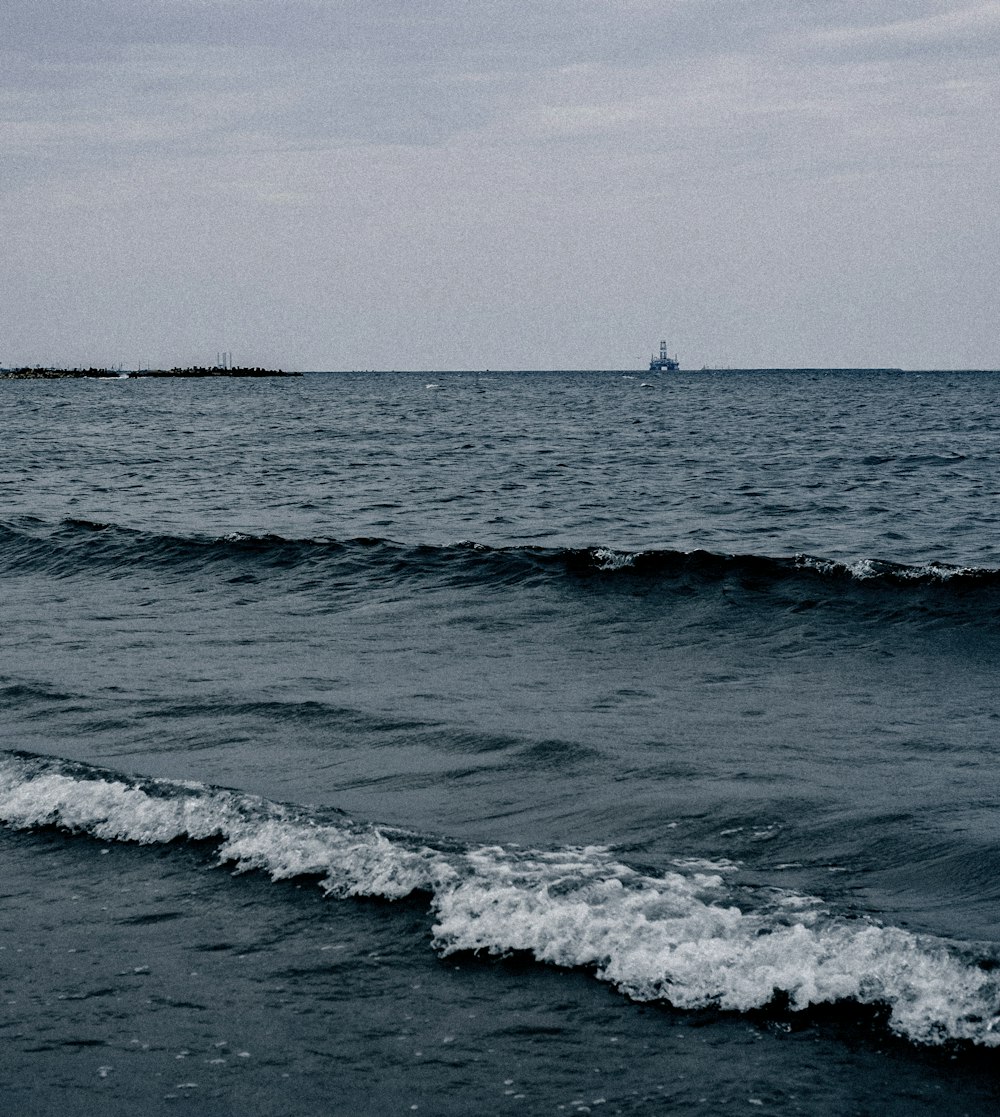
[
  {"x": 689, "y": 937},
  {"x": 78, "y": 547}
]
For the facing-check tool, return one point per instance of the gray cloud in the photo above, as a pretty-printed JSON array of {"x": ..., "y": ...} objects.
[{"x": 509, "y": 184}]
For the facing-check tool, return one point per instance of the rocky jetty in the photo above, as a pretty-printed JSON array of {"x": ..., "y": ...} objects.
[{"x": 37, "y": 373}]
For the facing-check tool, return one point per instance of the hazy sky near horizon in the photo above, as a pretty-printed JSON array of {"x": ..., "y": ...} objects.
[{"x": 326, "y": 184}]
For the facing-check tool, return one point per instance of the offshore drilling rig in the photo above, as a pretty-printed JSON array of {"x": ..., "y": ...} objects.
[{"x": 663, "y": 363}]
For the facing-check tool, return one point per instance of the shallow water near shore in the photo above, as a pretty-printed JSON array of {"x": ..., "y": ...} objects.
[
  {"x": 139, "y": 989},
  {"x": 514, "y": 743}
]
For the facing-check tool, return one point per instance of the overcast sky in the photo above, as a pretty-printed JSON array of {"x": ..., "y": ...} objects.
[{"x": 445, "y": 184}]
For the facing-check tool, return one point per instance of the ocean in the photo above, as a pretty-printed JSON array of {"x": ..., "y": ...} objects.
[{"x": 512, "y": 743}]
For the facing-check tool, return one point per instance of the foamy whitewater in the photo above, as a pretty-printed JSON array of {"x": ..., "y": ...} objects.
[
  {"x": 531, "y": 744},
  {"x": 679, "y": 937}
]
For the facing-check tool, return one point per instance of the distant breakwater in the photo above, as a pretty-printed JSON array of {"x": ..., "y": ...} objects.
[{"x": 113, "y": 374}]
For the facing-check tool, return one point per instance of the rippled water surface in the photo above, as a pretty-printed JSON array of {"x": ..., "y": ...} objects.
[
  {"x": 661, "y": 707},
  {"x": 899, "y": 466}
]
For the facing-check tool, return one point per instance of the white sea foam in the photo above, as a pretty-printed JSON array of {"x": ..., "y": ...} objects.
[
  {"x": 689, "y": 936},
  {"x": 866, "y": 569},
  {"x": 606, "y": 559},
  {"x": 253, "y": 833},
  {"x": 670, "y": 938}
]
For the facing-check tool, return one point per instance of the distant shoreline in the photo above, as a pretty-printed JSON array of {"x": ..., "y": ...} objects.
[
  {"x": 38, "y": 373},
  {"x": 28, "y": 373},
  {"x": 660, "y": 376}
]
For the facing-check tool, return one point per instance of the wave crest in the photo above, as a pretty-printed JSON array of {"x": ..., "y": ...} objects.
[
  {"x": 77, "y": 547},
  {"x": 664, "y": 940},
  {"x": 688, "y": 936}
]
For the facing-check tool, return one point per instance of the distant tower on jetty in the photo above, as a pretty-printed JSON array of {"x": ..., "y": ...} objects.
[{"x": 663, "y": 363}]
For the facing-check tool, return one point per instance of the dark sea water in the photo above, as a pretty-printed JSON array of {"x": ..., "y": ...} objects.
[{"x": 507, "y": 744}]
